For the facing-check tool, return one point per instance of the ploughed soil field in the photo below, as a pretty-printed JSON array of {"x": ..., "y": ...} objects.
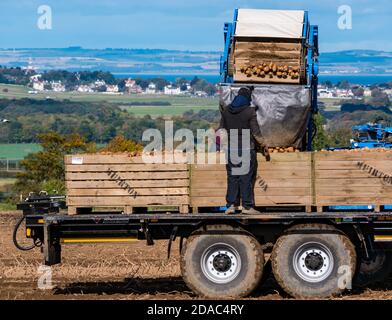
[{"x": 115, "y": 271}]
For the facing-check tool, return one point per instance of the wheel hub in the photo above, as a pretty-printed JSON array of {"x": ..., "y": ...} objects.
[
  {"x": 313, "y": 262},
  {"x": 221, "y": 263}
]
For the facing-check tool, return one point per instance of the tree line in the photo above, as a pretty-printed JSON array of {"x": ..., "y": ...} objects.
[{"x": 97, "y": 122}]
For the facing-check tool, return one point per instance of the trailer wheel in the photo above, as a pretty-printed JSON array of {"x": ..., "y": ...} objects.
[
  {"x": 312, "y": 264},
  {"x": 222, "y": 266},
  {"x": 375, "y": 271}
]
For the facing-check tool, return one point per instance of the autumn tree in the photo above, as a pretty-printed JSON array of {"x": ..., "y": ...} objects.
[
  {"x": 44, "y": 170},
  {"x": 121, "y": 144},
  {"x": 321, "y": 139}
]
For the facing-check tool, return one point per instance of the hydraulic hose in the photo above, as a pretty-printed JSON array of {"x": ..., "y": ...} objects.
[{"x": 14, "y": 237}]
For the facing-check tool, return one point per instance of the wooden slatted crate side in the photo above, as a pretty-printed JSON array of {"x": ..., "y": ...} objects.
[
  {"x": 97, "y": 158},
  {"x": 112, "y": 184},
  {"x": 248, "y": 53},
  {"x": 216, "y": 157},
  {"x": 347, "y": 190},
  {"x": 245, "y": 62},
  {"x": 137, "y": 192},
  {"x": 352, "y": 182},
  {"x": 272, "y": 45},
  {"x": 353, "y": 178},
  {"x": 121, "y": 158},
  {"x": 261, "y": 166},
  {"x": 352, "y": 164},
  {"x": 272, "y": 174},
  {"x": 125, "y": 167},
  {"x": 119, "y": 201},
  {"x": 199, "y": 183},
  {"x": 260, "y": 201},
  {"x": 92, "y": 176},
  {"x": 124, "y": 181},
  {"x": 258, "y": 191},
  {"x": 353, "y": 155},
  {"x": 282, "y": 181},
  {"x": 267, "y": 55},
  {"x": 240, "y": 77}
]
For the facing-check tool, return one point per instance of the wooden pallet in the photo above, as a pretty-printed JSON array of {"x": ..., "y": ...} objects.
[
  {"x": 283, "y": 181},
  {"x": 256, "y": 52},
  {"x": 118, "y": 180}
]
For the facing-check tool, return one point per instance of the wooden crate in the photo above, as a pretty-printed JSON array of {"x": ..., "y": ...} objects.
[
  {"x": 283, "y": 181},
  {"x": 353, "y": 178},
  {"x": 317, "y": 180},
  {"x": 119, "y": 180},
  {"x": 256, "y": 52}
]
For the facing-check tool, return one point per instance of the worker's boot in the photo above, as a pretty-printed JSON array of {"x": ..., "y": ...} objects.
[
  {"x": 250, "y": 211},
  {"x": 231, "y": 210}
]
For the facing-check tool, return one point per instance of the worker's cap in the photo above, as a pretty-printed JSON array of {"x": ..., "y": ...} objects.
[{"x": 245, "y": 92}]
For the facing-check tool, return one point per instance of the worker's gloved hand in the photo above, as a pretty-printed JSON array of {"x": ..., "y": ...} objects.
[{"x": 265, "y": 152}]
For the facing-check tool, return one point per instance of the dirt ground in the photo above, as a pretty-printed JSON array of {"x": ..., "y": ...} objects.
[{"x": 115, "y": 271}]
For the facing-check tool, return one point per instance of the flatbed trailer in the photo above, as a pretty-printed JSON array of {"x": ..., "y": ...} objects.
[
  {"x": 315, "y": 250},
  {"x": 312, "y": 254}
]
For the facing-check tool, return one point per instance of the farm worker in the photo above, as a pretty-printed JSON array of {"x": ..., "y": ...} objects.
[{"x": 240, "y": 123}]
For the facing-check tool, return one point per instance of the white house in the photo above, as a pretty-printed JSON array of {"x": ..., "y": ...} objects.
[
  {"x": 35, "y": 77},
  {"x": 112, "y": 88},
  {"x": 201, "y": 94},
  {"x": 388, "y": 92},
  {"x": 130, "y": 83},
  {"x": 100, "y": 83},
  {"x": 171, "y": 90},
  {"x": 57, "y": 86},
  {"x": 325, "y": 93},
  {"x": 39, "y": 85},
  {"x": 132, "y": 87},
  {"x": 84, "y": 88},
  {"x": 151, "y": 89},
  {"x": 367, "y": 92},
  {"x": 344, "y": 94}
]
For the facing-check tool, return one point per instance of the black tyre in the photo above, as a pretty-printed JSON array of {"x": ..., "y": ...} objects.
[
  {"x": 312, "y": 264},
  {"x": 222, "y": 266},
  {"x": 377, "y": 270}
]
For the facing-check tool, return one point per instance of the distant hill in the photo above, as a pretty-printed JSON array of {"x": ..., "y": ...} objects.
[
  {"x": 357, "y": 61},
  {"x": 162, "y": 61}
]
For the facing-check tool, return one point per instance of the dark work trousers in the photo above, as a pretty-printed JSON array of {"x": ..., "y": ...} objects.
[{"x": 241, "y": 186}]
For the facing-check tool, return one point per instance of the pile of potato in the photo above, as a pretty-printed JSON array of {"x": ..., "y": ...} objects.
[
  {"x": 271, "y": 70},
  {"x": 282, "y": 150}
]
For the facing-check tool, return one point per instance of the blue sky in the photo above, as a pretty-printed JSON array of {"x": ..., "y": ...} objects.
[{"x": 179, "y": 24}]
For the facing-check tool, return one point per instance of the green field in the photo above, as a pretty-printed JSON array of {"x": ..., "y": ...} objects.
[
  {"x": 17, "y": 150},
  {"x": 166, "y": 111},
  {"x": 4, "y": 182},
  {"x": 178, "y": 104}
]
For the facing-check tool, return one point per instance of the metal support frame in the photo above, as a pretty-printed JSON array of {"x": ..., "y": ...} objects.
[
  {"x": 152, "y": 227},
  {"x": 312, "y": 72},
  {"x": 309, "y": 41}
]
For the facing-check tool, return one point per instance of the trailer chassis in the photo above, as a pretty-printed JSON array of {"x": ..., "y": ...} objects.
[{"x": 359, "y": 235}]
